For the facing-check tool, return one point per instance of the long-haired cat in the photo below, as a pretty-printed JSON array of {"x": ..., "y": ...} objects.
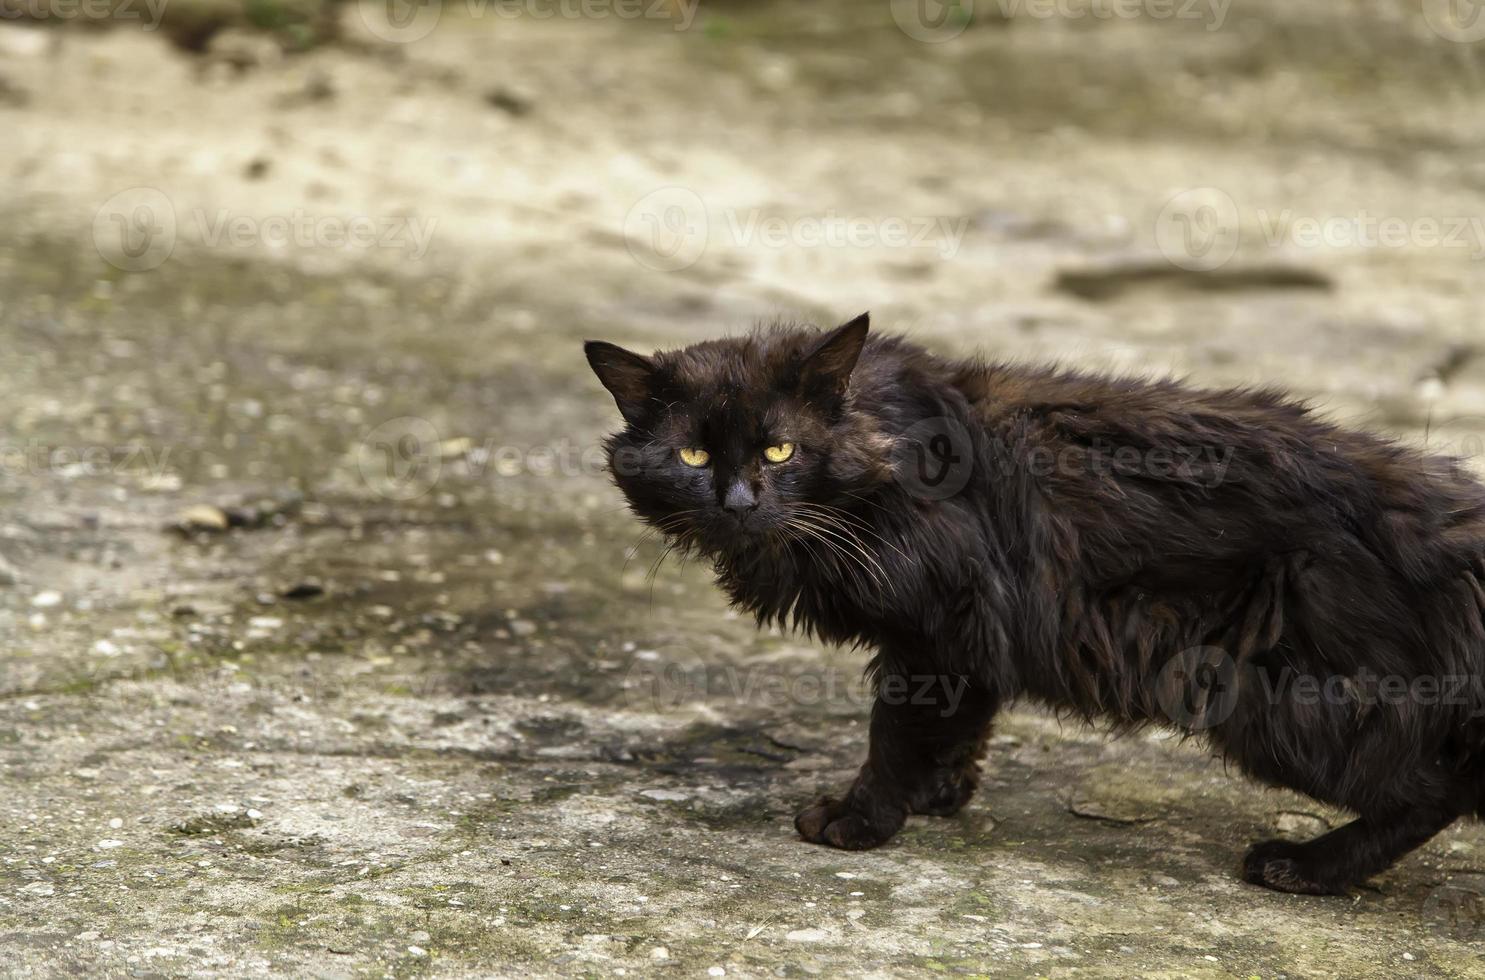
[{"x": 1307, "y": 597}]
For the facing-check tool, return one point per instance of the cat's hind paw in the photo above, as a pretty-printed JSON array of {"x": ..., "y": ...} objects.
[{"x": 1286, "y": 866}]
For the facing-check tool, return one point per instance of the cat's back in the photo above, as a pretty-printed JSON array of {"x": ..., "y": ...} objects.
[{"x": 1257, "y": 465}]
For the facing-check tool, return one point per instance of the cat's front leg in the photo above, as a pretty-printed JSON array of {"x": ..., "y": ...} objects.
[{"x": 927, "y": 732}]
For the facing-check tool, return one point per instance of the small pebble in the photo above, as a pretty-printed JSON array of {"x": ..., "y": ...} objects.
[
  {"x": 668, "y": 795},
  {"x": 806, "y": 935},
  {"x": 202, "y": 517},
  {"x": 47, "y": 599}
]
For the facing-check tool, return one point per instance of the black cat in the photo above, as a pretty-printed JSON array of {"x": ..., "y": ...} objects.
[{"x": 1307, "y": 597}]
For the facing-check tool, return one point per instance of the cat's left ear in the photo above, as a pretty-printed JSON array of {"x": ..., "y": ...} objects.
[
  {"x": 624, "y": 373},
  {"x": 828, "y": 364}
]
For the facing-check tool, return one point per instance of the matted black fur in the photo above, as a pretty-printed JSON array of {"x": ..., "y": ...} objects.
[{"x": 1307, "y": 597}]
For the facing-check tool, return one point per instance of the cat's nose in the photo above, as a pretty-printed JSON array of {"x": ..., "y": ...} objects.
[{"x": 740, "y": 500}]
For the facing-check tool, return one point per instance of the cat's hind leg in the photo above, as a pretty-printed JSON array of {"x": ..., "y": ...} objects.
[{"x": 1347, "y": 856}]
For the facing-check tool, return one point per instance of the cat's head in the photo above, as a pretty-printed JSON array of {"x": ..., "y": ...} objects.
[{"x": 734, "y": 441}]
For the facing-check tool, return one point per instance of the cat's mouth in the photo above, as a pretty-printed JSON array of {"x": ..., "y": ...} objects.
[{"x": 725, "y": 532}]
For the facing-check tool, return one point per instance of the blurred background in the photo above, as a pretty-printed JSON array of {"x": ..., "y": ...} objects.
[{"x": 325, "y": 645}]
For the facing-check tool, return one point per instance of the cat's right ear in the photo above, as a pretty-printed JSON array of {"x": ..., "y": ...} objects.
[
  {"x": 828, "y": 364},
  {"x": 624, "y": 373}
]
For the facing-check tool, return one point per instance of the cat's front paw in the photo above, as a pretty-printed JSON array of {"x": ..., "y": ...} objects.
[
  {"x": 1288, "y": 867},
  {"x": 851, "y": 826}
]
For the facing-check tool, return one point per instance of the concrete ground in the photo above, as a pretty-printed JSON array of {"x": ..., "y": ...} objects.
[{"x": 326, "y": 648}]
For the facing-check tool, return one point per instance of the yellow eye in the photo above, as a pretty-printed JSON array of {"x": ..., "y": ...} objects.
[
  {"x": 779, "y": 453},
  {"x": 695, "y": 457}
]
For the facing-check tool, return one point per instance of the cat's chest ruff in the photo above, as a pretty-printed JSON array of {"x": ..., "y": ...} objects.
[{"x": 837, "y": 601}]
